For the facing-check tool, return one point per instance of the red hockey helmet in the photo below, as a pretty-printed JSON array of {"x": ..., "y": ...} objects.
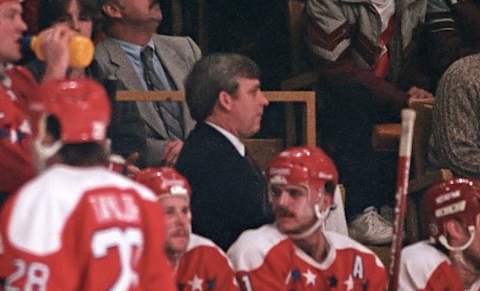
[
  {"x": 6, "y": 1},
  {"x": 308, "y": 166},
  {"x": 81, "y": 107},
  {"x": 457, "y": 199},
  {"x": 164, "y": 181}
]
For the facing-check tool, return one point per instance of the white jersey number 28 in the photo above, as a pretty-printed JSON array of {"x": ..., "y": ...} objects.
[
  {"x": 124, "y": 241},
  {"x": 36, "y": 274}
]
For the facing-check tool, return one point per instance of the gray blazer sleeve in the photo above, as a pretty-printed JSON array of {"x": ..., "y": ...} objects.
[{"x": 455, "y": 142}]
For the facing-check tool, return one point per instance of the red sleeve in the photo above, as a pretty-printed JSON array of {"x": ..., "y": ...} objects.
[
  {"x": 444, "y": 278},
  {"x": 16, "y": 164},
  {"x": 23, "y": 85},
  {"x": 343, "y": 72}
]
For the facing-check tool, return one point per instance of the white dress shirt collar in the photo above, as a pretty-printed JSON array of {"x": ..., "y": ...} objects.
[{"x": 232, "y": 138}]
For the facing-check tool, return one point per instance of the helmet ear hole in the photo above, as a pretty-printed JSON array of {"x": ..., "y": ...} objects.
[
  {"x": 54, "y": 128},
  {"x": 330, "y": 187},
  {"x": 456, "y": 199},
  {"x": 81, "y": 107}
]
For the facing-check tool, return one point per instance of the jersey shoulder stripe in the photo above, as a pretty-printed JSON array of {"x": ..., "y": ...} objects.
[{"x": 43, "y": 206}]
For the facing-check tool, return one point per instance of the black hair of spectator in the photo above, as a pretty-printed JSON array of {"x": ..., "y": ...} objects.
[
  {"x": 213, "y": 74},
  {"x": 54, "y": 11},
  {"x": 104, "y": 21}
]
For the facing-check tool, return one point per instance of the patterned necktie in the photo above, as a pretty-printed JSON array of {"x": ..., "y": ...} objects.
[{"x": 169, "y": 111}]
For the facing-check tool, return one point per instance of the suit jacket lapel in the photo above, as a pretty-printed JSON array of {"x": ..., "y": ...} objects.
[
  {"x": 178, "y": 72},
  {"x": 126, "y": 72},
  {"x": 172, "y": 65},
  {"x": 149, "y": 113}
]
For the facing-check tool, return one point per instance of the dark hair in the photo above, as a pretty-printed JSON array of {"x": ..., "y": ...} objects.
[
  {"x": 81, "y": 154},
  {"x": 104, "y": 21},
  {"x": 213, "y": 74},
  {"x": 53, "y": 11}
]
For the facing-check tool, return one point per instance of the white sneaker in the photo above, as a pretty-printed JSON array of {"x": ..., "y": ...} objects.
[
  {"x": 371, "y": 228},
  {"x": 388, "y": 213}
]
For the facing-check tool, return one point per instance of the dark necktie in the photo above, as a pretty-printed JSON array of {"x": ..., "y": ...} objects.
[
  {"x": 169, "y": 111},
  {"x": 262, "y": 184},
  {"x": 252, "y": 162}
]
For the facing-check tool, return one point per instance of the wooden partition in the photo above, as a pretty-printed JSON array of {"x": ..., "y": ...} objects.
[{"x": 305, "y": 97}]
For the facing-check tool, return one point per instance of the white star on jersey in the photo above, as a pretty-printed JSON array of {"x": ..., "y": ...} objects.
[
  {"x": 25, "y": 127},
  {"x": 311, "y": 277},
  {"x": 196, "y": 283},
  {"x": 349, "y": 283}
]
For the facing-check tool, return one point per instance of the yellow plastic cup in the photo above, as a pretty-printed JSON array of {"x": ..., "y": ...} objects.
[{"x": 81, "y": 51}]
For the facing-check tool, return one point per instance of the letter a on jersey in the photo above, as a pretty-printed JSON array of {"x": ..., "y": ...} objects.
[{"x": 358, "y": 268}]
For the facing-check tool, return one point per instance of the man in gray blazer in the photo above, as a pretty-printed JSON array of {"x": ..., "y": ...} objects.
[{"x": 154, "y": 129}]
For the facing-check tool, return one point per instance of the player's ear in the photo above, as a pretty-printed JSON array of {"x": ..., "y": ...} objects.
[
  {"x": 225, "y": 100},
  {"x": 455, "y": 230},
  {"x": 326, "y": 200},
  {"x": 112, "y": 10}
]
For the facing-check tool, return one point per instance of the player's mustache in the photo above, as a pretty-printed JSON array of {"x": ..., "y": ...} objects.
[
  {"x": 283, "y": 212},
  {"x": 180, "y": 232}
]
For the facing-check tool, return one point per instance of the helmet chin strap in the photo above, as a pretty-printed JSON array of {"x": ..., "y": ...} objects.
[
  {"x": 108, "y": 146},
  {"x": 443, "y": 240},
  {"x": 320, "y": 223}
]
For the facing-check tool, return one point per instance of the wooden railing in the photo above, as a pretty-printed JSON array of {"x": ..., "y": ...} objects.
[{"x": 305, "y": 97}]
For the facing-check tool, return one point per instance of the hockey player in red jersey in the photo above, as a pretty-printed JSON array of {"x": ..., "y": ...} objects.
[
  {"x": 17, "y": 85},
  {"x": 79, "y": 226},
  {"x": 296, "y": 253},
  {"x": 199, "y": 263},
  {"x": 450, "y": 259}
]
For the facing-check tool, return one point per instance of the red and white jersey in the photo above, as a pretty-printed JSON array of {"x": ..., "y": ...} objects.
[
  {"x": 424, "y": 267},
  {"x": 266, "y": 259},
  {"x": 16, "y": 164},
  {"x": 83, "y": 229},
  {"x": 204, "y": 266}
]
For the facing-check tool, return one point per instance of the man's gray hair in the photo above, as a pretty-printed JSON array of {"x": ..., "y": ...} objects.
[{"x": 213, "y": 74}]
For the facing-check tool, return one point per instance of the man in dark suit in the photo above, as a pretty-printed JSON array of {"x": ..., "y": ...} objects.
[
  {"x": 141, "y": 60},
  {"x": 228, "y": 190}
]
